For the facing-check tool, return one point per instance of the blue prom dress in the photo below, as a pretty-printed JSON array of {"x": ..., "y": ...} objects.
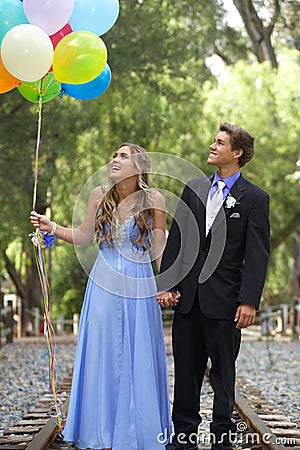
[{"x": 119, "y": 397}]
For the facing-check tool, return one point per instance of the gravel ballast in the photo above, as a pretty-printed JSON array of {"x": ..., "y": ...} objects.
[{"x": 271, "y": 365}]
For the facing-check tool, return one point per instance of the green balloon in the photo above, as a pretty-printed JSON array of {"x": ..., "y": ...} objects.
[{"x": 47, "y": 87}]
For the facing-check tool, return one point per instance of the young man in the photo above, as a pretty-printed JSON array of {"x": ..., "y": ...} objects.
[{"x": 212, "y": 273}]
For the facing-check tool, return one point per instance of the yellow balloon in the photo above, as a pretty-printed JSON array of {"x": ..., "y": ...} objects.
[{"x": 79, "y": 57}]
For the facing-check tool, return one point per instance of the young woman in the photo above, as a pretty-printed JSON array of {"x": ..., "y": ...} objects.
[{"x": 119, "y": 398}]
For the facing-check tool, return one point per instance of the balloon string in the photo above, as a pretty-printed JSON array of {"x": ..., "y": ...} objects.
[
  {"x": 38, "y": 140},
  {"x": 50, "y": 81},
  {"x": 40, "y": 258},
  {"x": 49, "y": 331}
]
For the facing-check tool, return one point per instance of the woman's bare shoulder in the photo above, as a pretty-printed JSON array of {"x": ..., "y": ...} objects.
[
  {"x": 98, "y": 193},
  {"x": 157, "y": 199}
]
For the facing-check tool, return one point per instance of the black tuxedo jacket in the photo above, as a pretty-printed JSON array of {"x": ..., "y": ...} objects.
[{"x": 229, "y": 265}]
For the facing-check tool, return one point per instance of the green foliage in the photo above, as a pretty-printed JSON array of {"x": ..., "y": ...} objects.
[
  {"x": 287, "y": 28},
  {"x": 68, "y": 282},
  {"x": 267, "y": 103},
  {"x": 162, "y": 96},
  {"x": 156, "y": 37}
]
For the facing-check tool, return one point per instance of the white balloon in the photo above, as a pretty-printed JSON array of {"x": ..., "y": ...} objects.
[{"x": 27, "y": 52}]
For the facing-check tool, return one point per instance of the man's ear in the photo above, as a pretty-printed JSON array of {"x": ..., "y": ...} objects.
[{"x": 238, "y": 153}]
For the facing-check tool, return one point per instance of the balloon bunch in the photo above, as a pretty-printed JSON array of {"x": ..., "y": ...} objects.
[{"x": 53, "y": 46}]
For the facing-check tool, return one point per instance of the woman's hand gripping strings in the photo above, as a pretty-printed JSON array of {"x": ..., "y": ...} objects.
[
  {"x": 43, "y": 223},
  {"x": 77, "y": 236}
]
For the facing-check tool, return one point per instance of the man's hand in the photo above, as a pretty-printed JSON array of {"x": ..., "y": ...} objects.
[
  {"x": 245, "y": 315},
  {"x": 168, "y": 298}
]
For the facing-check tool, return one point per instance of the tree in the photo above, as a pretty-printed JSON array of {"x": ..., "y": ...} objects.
[
  {"x": 160, "y": 39},
  {"x": 286, "y": 31},
  {"x": 164, "y": 97},
  {"x": 258, "y": 32},
  {"x": 268, "y": 25},
  {"x": 267, "y": 103}
]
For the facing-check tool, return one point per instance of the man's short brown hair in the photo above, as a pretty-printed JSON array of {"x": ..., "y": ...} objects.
[{"x": 239, "y": 139}]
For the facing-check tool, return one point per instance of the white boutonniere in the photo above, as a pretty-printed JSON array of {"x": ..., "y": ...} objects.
[{"x": 230, "y": 201}]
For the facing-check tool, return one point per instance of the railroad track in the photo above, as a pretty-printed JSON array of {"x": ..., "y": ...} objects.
[
  {"x": 37, "y": 429},
  {"x": 260, "y": 426},
  {"x": 260, "y": 419}
]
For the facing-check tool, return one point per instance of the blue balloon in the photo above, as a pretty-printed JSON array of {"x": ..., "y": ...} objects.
[
  {"x": 11, "y": 15},
  {"x": 97, "y": 16},
  {"x": 90, "y": 90}
]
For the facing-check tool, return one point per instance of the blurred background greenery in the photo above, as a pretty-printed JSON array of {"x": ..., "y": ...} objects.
[{"x": 179, "y": 68}]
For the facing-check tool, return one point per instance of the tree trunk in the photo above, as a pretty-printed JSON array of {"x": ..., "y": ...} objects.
[
  {"x": 30, "y": 292},
  {"x": 21, "y": 289},
  {"x": 296, "y": 266},
  {"x": 286, "y": 232},
  {"x": 259, "y": 34},
  {"x": 32, "y": 281}
]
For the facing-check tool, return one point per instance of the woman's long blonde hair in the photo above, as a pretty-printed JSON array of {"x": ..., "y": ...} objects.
[{"x": 143, "y": 211}]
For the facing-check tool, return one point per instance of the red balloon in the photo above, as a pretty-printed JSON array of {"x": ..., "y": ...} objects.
[{"x": 55, "y": 38}]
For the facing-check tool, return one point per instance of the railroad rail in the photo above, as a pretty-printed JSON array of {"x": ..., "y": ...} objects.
[
  {"x": 275, "y": 429},
  {"x": 37, "y": 429},
  {"x": 259, "y": 425}
]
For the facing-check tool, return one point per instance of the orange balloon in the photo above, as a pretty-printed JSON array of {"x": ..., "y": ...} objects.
[{"x": 7, "y": 81}]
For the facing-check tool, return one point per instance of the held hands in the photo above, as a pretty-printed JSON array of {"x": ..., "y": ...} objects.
[
  {"x": 168, "y": 298},
  {"x": 245, "y": 315},
  {"x": 41, "y": 222}
]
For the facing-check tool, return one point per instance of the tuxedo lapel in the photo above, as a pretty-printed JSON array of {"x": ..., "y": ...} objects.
[{"x": 237, "y": 192}]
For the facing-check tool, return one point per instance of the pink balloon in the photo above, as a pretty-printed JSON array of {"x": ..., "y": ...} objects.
[
  {"x": 55, "y": 38},
  {"x": 50, "y": 15}
]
